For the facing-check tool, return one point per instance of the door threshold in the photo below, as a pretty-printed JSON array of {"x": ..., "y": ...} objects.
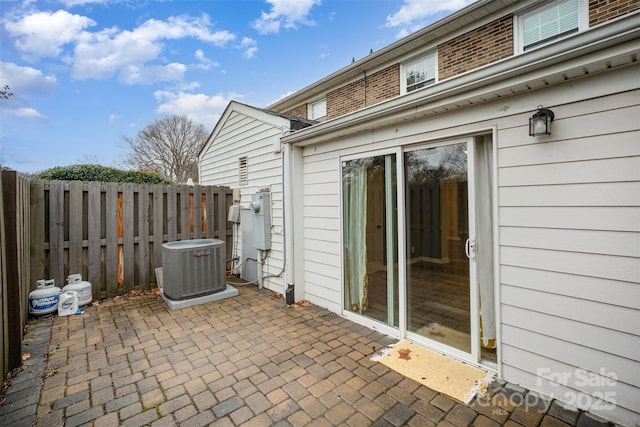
[{"x": 440, "y": 372}]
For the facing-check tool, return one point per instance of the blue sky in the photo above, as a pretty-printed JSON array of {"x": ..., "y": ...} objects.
[{"x": 84, "y": 73}]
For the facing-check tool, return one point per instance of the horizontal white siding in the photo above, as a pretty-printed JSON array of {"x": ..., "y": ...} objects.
[
  {"x": 569, "y": 232},
  {"x": 569, "y": 214},
  {"x": 624, "y": 294},
  {"x": 608, "y": 218},
  {"x": 242, "y": 135},
  {"x": 322, "y": 255}
]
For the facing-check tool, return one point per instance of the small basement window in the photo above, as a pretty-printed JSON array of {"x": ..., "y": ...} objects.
[
  {"x": 419, "y": 73},
  {"x": 243, "y": 174}
]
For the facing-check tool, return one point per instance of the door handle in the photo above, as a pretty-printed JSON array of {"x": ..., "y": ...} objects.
[{"x": 470, "y": 248}]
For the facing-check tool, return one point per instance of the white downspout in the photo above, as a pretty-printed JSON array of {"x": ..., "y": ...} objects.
[{"x": 289, "y": 261}]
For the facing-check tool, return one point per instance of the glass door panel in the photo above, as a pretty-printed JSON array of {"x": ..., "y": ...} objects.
[
  {"x": 369, "y": 200},
  {"x": 437, "y": 224}
]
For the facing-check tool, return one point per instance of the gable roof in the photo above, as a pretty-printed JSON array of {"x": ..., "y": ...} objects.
[
  {"x": 295, "y": 123},
  {"x": 274, "y": 118}
]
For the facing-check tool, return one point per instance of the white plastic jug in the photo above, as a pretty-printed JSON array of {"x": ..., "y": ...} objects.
[{"x": 68, "y": 303}]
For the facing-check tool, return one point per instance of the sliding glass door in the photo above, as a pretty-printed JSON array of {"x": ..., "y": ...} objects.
[
  {"x": 437, "y": 267},
  {"x": 418, "y": 244},
  {"x": 369, "y": 200}
]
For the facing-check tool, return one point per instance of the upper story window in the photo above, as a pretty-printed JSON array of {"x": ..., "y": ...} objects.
[
  {"x": 548, "y": 23},
  {"x": 419, "y": 73},
  {"x": 318, "y": 110}
]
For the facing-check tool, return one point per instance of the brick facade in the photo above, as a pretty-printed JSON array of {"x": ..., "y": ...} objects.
[
  {"x": 345, "y": 99},
  {"x": 383, "y": 85},
  {"x": 604, "y": 10},
  {"x": 380, "y": 86},
  {"x": 481, "y": 46},
  {"x": 300, "y": 111},
  {"x": 476, "y": 48}
]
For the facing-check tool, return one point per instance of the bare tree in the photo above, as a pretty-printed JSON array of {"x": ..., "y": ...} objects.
[
  {"x": 169, "y": 146},
  {"x": 5, "y": 92}
]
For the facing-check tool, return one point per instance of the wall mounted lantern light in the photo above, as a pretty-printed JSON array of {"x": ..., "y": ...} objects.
[{"x": 540, "y": 122}]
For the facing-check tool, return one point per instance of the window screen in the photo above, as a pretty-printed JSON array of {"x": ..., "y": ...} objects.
[{"x": 548, "y": 23}]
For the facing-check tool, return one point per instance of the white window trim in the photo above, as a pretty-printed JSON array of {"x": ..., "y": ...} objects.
[
  {"x": 310, "y": 109},
  {"x": 403, "y": 69},
  {"x": 518, "y": 27}
]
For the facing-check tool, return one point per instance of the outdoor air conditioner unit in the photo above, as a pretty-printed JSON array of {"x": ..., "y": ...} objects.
[{"x": 193, "y": 268}]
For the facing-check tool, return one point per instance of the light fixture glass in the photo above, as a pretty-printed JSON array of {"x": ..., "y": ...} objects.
[{"x": 540, "y": 122}]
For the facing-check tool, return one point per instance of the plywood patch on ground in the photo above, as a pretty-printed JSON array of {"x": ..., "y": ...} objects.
[{"x": 438, "y": 372}]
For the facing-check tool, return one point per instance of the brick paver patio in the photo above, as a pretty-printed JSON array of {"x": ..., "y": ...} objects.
[{"x": 247, "y": 360}]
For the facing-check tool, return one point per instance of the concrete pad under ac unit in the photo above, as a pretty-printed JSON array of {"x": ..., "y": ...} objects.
[{"x": 229, "y": 292}]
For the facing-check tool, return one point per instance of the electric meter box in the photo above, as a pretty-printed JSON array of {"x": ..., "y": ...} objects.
[{"x": 261, "y": 207}]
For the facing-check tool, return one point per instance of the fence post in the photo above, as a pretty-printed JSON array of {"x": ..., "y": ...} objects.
[
  {"x": 37, "y": 230},
  {"x": 158, "y": 221},
  {"x": 56, "y": 231},
  {"x": 4, "y": 317},
  {"x": 94, "y": 237},
  {"x": 12, "y": 269},
  {"x": 143, "y": 236},
  {"x": 75, "y": 228},
  {"x": 111, "y": 250}
]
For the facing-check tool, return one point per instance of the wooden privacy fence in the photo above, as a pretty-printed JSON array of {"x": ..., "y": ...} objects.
[
  {"x": 14, "y": 267},
  {"x": 112, "y": 233}
]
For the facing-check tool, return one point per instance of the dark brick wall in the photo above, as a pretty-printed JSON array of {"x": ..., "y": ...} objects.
[
  {"x": 478, "y": 47},
  {"x": 604, "y": 10}
]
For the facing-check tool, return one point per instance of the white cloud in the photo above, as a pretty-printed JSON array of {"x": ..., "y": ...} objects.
[
  {"x": 133, "y": 56},
  {"x": 415, "y": 14},
  {"x": 249, "y": 47},
  {"x": 198, "y": 107},
  {"x": 138, "y": 74},
  {"x": 45, "y": 33},
  {"x": 284, "y": 13},
  {"x": 71, "y": 3},
  {"x": 101, "y": 55},
  {"x": 114, "y": 117},
  {"x": 25, "y": 80},
  {"x": 25, "y": 113},
  {"x": 185, "y": 86},
  {"x": 205, "y": 63},
  {"x": 177, "y": 27}
]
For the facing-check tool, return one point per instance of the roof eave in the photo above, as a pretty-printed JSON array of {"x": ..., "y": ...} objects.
[
  {"x": 620, "y": 37},
  {"x": 450, "y": 23}
]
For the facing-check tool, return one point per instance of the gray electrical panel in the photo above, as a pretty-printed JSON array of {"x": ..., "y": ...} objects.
[
  {"x": 249, "y": 260},
  {"x": 261, "y": 207}
]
